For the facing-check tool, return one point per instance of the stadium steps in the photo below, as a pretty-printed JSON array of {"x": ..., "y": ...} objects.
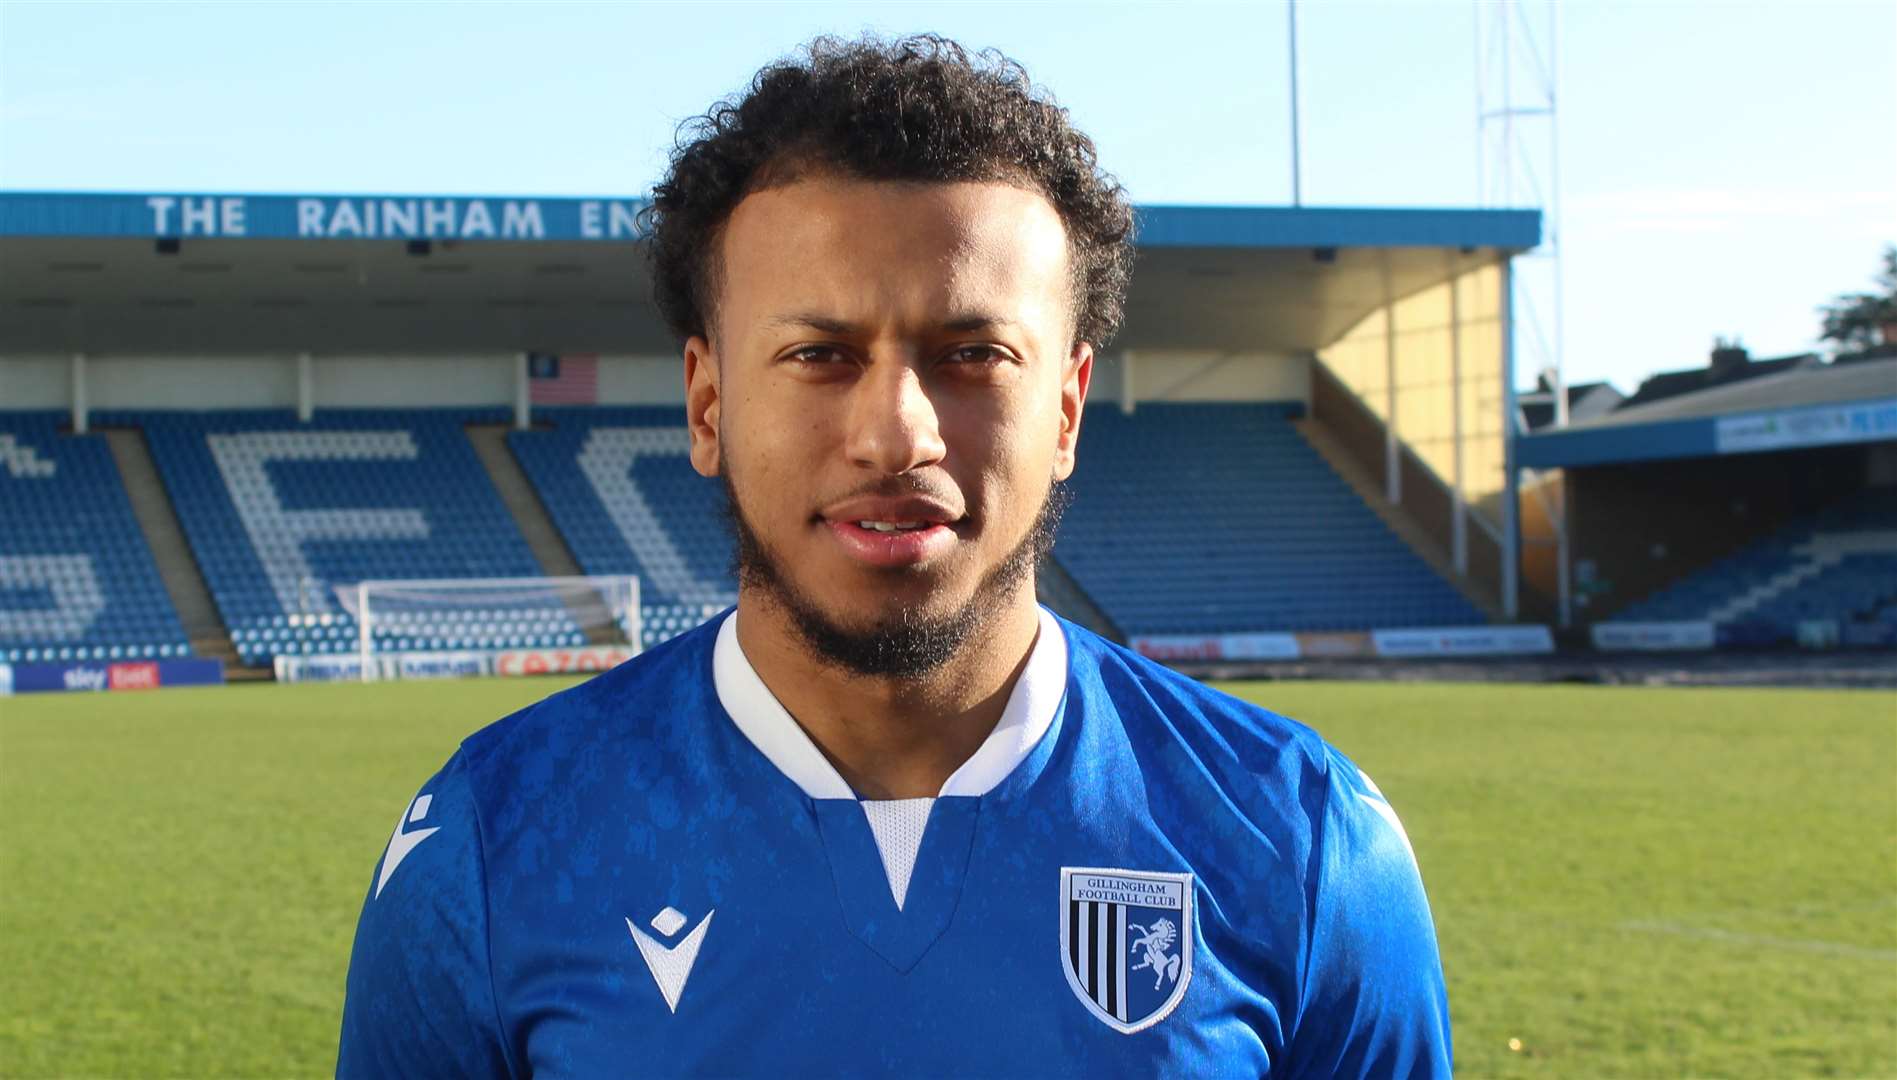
[
  {"x": 1367, "y": 488},
  {"x": 177, "y": 568},
  {"x": 1822, "y": 552},
  {"x": 1057, "y": 589},
  {"x": 536, "y": 525}
]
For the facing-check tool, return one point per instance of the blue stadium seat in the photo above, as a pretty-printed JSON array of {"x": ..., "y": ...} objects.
[
  {"x": 76, "y": 579},
  {"x": 1179, "y": 523},
  {"x": 1838, "y": 565},
  {"x": 281, "y": 513},
  {"x": 1220, "y": 518},
  {"x": 618, "y": 486}
]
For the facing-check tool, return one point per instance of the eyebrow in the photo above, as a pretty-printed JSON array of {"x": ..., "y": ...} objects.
[{"x": 825, "y": 324}]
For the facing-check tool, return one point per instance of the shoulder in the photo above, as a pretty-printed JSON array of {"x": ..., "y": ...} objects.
[
  {"x": 566, "y": 741},
  {"x": 419, "y": 998},
  {"x": 1163, "y": 709},
  {"x": 1274, "y": 806},
  {"x": 625, "y": 705},
  {"x": 1208, "y": 753}
]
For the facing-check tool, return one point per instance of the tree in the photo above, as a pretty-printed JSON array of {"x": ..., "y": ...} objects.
[{"x": 1865, "y": 320}]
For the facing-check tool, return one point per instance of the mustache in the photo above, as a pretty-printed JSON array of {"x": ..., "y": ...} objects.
[{"x": 897, "y": 487}]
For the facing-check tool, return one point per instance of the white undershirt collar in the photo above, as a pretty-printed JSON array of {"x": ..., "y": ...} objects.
[{"x": 764, "y": 721}]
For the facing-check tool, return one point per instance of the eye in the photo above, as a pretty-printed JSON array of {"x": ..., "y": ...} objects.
[
  {"x": 817, "y": 355},
  {"x": 976, "y": 354}
]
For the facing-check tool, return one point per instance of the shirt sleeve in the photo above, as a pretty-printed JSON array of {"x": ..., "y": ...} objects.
[
  {"x": 1373, "y": 1003},
  {"x": 420, "y": 999}
]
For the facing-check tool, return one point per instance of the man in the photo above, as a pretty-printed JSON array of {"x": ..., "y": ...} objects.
[{"x": 889, "y": 816}]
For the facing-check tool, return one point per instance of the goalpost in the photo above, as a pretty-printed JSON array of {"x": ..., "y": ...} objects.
[{"x": 472, "y": 616}]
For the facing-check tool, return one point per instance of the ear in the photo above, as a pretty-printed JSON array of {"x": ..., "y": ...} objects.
[
  {"x": 701, "y": 405},
  {"x": 1073, "y": 398}
]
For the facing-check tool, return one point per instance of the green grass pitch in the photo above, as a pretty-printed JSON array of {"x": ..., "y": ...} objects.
[{"x": 1629, "y": 882}]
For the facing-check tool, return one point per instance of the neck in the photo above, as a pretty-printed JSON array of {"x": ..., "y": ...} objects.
[{"x": 893, "y": 738}]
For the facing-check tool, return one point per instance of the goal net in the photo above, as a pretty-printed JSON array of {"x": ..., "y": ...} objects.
[{"x": 467, "y": 616}]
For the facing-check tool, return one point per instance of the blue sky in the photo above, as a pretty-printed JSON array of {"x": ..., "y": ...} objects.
[{"x": 1726, "y": 167}]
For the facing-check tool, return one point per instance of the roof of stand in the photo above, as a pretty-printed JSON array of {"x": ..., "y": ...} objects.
[{"x": 169, "y": 273}]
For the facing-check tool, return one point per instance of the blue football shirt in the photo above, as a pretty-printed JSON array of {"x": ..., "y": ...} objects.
[{"x": 658, "y": 873}]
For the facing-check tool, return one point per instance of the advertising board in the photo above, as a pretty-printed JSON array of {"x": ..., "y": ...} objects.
[
  {"x": 115, "y": 675},
  {"x": 560, "y": 661},
  {"x": 1174, "y": 647},
  {"x": 347, "y": 667},
  {"x": 1464, "y": 641},
  {"x": 1652, "y": 636}
]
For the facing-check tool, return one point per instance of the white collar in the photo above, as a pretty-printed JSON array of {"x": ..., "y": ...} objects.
[{"x": 764, "y": 721}]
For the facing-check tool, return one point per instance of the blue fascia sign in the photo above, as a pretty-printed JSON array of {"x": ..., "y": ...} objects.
[
  {"x": 319, "y": 217},
  {"x": 1820, "y": 425},
  {"x": 607, "y": 220}
]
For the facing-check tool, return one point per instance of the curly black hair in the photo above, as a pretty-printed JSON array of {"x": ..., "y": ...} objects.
[{"x": 917, "y": 108}]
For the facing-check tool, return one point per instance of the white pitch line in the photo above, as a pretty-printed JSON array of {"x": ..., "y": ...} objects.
[{"x": 1734, "y": 937}]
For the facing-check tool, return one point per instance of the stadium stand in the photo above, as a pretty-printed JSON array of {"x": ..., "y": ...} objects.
[
  {"x": 1188, "y": 518},
  {"x": 76, "y": 579},
  {"x": 619, "y": 488},
  {"x": 269, "y": 516},
  {"x": 278, "y": 513},
  {"x": 1220, "y": 518},
  {"x": 1837, "y": 565},
  {"x": 1161, "y": 546}
]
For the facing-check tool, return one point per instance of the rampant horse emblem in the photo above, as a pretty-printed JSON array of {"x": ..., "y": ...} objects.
[
  {"x": 1156, "y": 941},
  {"x": 1108, "y": 917}
]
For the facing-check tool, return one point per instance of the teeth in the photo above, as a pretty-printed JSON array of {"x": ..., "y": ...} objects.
[{"x": 890, "y": 526}]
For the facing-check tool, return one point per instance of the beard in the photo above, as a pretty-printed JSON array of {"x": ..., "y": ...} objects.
[{"x": 910, "y": 643}]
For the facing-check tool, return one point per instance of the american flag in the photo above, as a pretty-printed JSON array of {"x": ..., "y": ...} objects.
[{"x": 562, "y": 380}]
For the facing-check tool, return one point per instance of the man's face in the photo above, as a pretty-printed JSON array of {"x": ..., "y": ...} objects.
[{"x": 890, "y": 393}]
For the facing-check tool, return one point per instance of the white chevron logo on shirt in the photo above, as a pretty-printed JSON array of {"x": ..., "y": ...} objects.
[
  {"x": 1381, "y": 805},
  {"x": 670, "y": 967},
  {"x": 401, "y": 843}
]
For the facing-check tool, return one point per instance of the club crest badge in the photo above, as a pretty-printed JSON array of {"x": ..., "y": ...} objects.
[{"x": 1126, "y": 943}]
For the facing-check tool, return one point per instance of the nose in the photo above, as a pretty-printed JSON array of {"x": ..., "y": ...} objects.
[{"x": 893, "y": 424}]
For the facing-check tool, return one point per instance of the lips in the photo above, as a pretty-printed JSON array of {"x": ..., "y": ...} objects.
[
  {"x": 885, "y": 532},
  {"x": 907, "y": 547}
]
